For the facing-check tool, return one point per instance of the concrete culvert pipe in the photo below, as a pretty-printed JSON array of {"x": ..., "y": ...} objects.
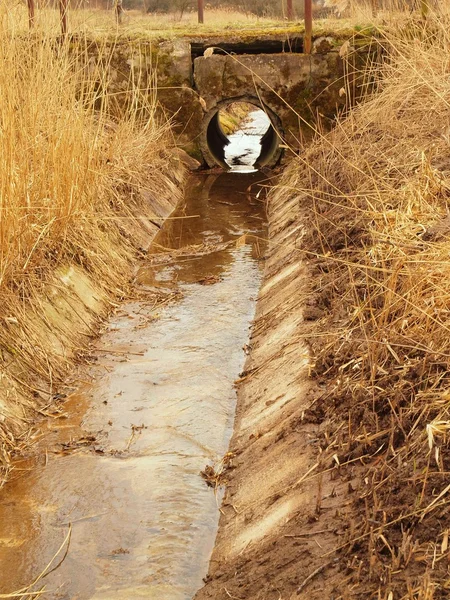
[{"x": 214, "y": 140}]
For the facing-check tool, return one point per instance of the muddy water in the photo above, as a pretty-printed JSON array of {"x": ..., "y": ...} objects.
[{"x": 121, "y": 464}]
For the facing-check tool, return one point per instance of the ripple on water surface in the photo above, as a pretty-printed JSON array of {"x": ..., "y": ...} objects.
[{"x": 160, "y": 408}]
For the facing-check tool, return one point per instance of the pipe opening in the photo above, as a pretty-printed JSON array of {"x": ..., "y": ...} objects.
[{"x": 241, "y": 137}]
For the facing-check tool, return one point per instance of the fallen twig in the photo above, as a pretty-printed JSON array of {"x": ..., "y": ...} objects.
[{"x": 313, "y": 574}]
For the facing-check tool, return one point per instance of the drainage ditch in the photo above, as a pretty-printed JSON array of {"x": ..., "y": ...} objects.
[{"x": 120, "y": 463}]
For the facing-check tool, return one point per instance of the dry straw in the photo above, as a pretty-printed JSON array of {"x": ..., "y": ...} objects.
[
  {"x": 374, "y": 200},
  {"x": 72, "y": 171}
]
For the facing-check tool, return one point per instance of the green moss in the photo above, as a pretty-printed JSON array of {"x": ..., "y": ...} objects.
[
  {"x": 195, "y": 152},
  {"x": 165, "y": 68},
  {"x": 242, "y": 31}
]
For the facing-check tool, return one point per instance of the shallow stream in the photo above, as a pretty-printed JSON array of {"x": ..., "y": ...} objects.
[{"x": 121, "y": 465}]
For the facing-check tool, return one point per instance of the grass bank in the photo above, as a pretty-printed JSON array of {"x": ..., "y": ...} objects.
[
  {"x": 373, "y": 203},
  {"x": 80, "y": 195},
  {"x": 232, "y": 117},
  {"x": 99, "y": 24}
]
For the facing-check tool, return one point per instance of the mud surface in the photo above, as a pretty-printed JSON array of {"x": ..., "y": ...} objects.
[
  {"x": 280, "y": 522},
  {"x": 121, "y": 461}
]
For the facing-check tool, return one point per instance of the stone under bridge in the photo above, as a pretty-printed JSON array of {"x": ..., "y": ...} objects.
[{"x": 296, "y": 90}]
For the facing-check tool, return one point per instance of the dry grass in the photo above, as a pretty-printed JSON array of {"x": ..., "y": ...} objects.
[
  {"x": 339, "y": 17},
  {"x": 71, "y": 183},
  {"x": 101, "y": 24},
  {"x": 233, "y": 115},
  {"x": 374, "y": 196}
]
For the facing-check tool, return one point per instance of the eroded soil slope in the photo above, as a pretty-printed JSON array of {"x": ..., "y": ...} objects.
[
  {"x": 340, "y": 481},
  {"x": 278, "y": 517}
]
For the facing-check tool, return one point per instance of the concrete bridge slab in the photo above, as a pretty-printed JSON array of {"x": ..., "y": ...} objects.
[{"x": 295, "y": 90}]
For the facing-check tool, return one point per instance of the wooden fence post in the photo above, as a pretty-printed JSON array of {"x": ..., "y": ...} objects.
[
  {"x": 200, "y": 10},
  {"x": 290, "y": 10},
  {"x": 307, "y": 40},
  {"x": 30, "y": 13},
  {"x": 63, "y": 8},
  {"x": 374, "y": 8},
  {"x": 119, "y": 12}
]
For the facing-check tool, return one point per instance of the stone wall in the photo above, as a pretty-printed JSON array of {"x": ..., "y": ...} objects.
[
  {"x": 293, "y": 86},
  {"x": 297, "y": 88}
]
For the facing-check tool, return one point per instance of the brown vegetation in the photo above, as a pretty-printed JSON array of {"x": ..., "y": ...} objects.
[
  {"x": 232, "y": 116},
  {"x": 228, "y": 21},
  {"x": 374, "y": 196},
  {"x": 72, "y": 183}
]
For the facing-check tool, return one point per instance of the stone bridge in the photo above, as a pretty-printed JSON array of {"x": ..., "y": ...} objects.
[{"x": 296, "y": 90}]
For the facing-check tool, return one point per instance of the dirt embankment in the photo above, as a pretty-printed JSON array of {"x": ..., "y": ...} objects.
[
  {"x": 278, "y": 514},
  {"x": 338, "y": 487},
  {"x": 83, "y": 188},
  {"x": 82, "y": 194},
  {"x": 45, "y": 333}
]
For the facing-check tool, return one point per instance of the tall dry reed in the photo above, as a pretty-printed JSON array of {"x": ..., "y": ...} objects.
[
  {"x": 374, "y": 200},
  {"x": 72, "y": 174},
  {"x": 62, "y": 157}
]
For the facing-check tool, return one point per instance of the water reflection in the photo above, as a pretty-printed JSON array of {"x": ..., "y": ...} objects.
[
  {"x": 245, "y": 144},
  {"x": 123, "y": 467}
]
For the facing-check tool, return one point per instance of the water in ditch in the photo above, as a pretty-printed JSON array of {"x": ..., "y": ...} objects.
[{"x": 121, "y": 465}]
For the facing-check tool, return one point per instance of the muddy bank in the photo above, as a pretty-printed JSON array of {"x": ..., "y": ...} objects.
[
  {"x": 270, "y": 533},
  {"x": 340, "y": 487},
  {"x": 301, "y": 517},
  {"x": 47, "y": 329},
  {"x": 287, "y": 506}
]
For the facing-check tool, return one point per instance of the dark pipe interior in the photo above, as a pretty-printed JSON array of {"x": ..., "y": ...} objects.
[
  {"x": 294, "y": 45},
  {"x": 217, "y": 141},
  {"x": 269, "y": 144}
]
